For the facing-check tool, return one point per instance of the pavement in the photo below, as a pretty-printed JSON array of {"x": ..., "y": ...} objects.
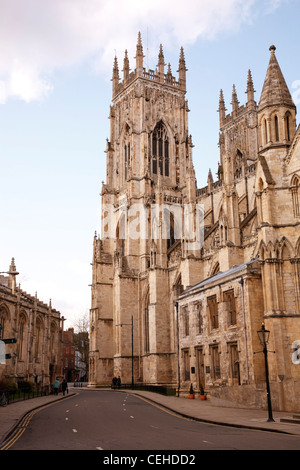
[{"x": 213, "y": 411}]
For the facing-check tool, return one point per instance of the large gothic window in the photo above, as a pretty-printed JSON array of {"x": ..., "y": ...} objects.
[{"x": 160, "y": 150}]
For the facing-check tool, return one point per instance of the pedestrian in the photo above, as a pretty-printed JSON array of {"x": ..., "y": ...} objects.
[
  {"x": 56, "y": 386},
  {"x": 64, "y": 386},
  {"x": 114, "y": 382},
  {"x": 119, "y": 382}
]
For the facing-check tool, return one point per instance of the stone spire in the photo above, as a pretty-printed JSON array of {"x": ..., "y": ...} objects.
[
  {"x": 126, "y": 67},
  {"x": 115, "y": 77},
  {"x": 139, "y": 56},
  {"x": 250, "y": 92},
  {"x": 182, "y": 70},
  {"x": 222, "y": 108},
  {"x": 235, "y": 101},
  {"x": 275, "y": 91},
  {"x": 169, "y": 74},
  {"x": 210, "y": 181},
  {"x": 161, "y": 64}
]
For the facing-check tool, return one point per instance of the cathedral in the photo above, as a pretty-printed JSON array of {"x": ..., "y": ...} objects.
[{"x": 184, "y": 277}]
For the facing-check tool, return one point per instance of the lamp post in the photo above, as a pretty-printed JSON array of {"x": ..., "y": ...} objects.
[
  {"x": 263, "y": 336},
  {"x": 130, "y": 324}
]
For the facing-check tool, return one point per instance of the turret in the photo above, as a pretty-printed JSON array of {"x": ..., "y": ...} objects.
[
  {"x": 276, "y": 109},
  {"x": 12, "y": 274}
]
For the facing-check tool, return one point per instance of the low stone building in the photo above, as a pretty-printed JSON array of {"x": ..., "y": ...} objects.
[
  {"x": 218, "y": 320},
  {"x": 37, "y": 354}
]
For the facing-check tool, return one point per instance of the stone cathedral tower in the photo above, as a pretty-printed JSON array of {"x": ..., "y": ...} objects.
[
  {"x": 184, "y": 277},
  {"x": 149, "y": 164}
]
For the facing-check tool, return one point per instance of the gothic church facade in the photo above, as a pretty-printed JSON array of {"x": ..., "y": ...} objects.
[{"x": 166, "y": 311}]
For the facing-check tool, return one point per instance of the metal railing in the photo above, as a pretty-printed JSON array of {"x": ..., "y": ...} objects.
[
  {"x": 10, "y": 396},
  {"x": 163, "y": 390}
]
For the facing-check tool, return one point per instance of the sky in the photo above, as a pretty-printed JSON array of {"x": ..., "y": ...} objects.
[{"x": 56, "y": 62}]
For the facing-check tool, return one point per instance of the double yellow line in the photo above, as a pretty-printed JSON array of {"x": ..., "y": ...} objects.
[{"x": 23, "y": 424}]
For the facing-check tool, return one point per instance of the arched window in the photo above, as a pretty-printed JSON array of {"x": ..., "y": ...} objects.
[
  {"x": 216, "y": 269},
  {"x": 296, "y": 196},
  {"x": 276, "y": 129},
  {"x": 121, "y": 234},
  {"x": 3, "y": 320},
  {"x": 160, "y": 150},
  {"x": 265, "y": 132},
  {"x": 238, "y": 164},
  {"x": 287, "y": 127},
  {"x": 169, "y": 228}
]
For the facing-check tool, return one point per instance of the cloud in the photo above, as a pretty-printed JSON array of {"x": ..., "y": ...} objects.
[{"x": 38, "y": 38}]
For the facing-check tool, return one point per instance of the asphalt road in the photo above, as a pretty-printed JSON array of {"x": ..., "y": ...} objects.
[{"x": 112, "y": 420}]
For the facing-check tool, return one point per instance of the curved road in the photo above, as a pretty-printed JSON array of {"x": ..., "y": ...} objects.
[{"x": 112, "y": 420}]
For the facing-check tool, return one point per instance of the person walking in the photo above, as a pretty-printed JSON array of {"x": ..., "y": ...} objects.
[
  {"x": 64, "y": 386},
  {"x": 119, "y": 382},
  {"x": 56, "y": 386}
]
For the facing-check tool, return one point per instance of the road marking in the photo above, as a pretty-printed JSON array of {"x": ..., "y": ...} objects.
[
  {"x": 22, "y": 426},
  {"x": 99, "y": 448},
  {"x": 74, "y": 430},
  {"x": 132, "y": 417}
]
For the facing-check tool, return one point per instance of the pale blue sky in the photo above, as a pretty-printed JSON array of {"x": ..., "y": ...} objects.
[{"x": 55, "y": 93}]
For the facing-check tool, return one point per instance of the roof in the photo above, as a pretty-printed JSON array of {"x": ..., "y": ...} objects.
[
  {"x": 275, "y": 90},
  {"x": 220, "y": 275}
]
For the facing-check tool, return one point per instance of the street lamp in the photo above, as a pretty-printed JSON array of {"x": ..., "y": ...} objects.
[
  {"x": 130, "y": 324},
  {"x": 263, "y": 336}
]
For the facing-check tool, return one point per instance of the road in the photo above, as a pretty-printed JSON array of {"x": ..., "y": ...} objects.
[{"x": 114, "y": 420}]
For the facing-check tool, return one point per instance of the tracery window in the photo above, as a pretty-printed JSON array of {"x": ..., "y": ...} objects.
[
  {"x": 160, "y": 150},
  {"x": 238, "y": 164}
]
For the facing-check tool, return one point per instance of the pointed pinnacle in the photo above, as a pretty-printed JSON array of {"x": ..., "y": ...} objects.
[
  {"x": 250, "y": 86},
  {"x": 234, "y": 95}
]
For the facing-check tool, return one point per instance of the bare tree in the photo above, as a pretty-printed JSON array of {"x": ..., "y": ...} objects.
[{"x": 81, "y": 339}]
